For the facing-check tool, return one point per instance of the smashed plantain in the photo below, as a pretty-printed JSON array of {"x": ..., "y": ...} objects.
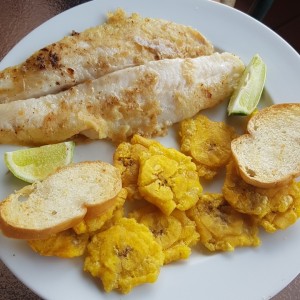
[
  {"x": 163, "y": 176},
  {"x": 126, "y": 159},
  {"x": 124, "y": 256},
  {"x": 176, "y": 233},
  {"x": 208, "y": 143},
  {"x": 275, "y": 208},
  {"x": 65, "y": 244},
  {"x": 276, "y": 220},
  {"x": 221, "y": 227},
  {"x": 168, "y": 179}
]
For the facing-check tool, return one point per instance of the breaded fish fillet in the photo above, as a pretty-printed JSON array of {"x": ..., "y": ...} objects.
[
  {"x": 119, "y": 43},
  {"x": 144, "y": 99}
]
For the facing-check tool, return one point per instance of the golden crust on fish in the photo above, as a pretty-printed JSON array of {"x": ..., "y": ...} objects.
[
  {"x": 145, "y": 99},
  {"x": 121, "y": 42}
]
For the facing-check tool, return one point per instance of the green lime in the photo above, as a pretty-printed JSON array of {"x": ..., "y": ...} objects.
[
  {"x": 248, "y": 92},
  {"x": 37, "y": 163}
]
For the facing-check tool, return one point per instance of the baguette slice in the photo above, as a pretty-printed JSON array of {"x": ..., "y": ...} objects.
[
  {"x": 61, "y": 201},
  {"x": 269, "y": 156}
]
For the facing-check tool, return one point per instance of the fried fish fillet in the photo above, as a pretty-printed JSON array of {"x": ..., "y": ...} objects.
[
  {"x": 144, "y": 99},
  {"x": 120, "y": 42}
]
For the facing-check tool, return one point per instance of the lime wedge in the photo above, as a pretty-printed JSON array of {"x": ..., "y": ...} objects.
[
  {"x": 248, "y": 92},
  {"x": 34, "y": 164}
]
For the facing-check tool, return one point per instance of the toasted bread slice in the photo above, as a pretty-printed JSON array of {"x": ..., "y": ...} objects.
[
  {"x": 269, "y": 155},
  {"x": 61, "y": 201}
]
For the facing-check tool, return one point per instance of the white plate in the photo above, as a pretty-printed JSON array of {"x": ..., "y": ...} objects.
[{"x": 247, "y": 273}]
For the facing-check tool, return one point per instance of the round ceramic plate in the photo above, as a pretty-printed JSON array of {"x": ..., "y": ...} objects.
[{"x": 246, "y": 273}]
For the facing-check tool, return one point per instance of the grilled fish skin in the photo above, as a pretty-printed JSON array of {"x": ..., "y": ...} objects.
[
  {"x": 119, "y": 43},
  {"x": 144, "y": 99}
]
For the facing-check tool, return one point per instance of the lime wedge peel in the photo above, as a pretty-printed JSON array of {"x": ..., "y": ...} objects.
[
  {"x": 246, "y": 97},
  {"x": 37, "y": 163}
]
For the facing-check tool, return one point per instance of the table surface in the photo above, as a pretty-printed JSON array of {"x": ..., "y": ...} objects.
[{"x": 17, "y": 18}]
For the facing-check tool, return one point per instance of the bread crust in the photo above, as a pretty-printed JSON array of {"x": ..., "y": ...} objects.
[
  {"x": 268, "y": 155},
  {"x": 62, "y": 200}
]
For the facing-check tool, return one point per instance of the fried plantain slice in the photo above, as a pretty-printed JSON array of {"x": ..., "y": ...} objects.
[
  {"x": 65, "y": 244},
  {"x": 168, "y": 179},
  {"x": 188, "y": 238},
  {"x": 126, "y": 159},
  {"x": 113, "y": 213},
  {"x": 207, "y": 142},
  {"x": 189, "y": 234},
  {"x": 118, "y": 214},
  {"x": 256, "y": 201},
  {"x": 177, "y": 252},
  {"x": 124, "y": 256},
  {"x": 220, "y": 226},
  {"x": 176, "y": 233},
  {"x": 166, "y": 229},
  {"x": 276, "y": 220}
]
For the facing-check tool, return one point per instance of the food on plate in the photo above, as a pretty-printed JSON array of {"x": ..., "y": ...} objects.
[
  {"x": 220, "y": 226},
  {"x": 37, "y": 163},
  {"x": 92, "y": 225},
  {"x": 246, "y": 96},
  {"x": 62, "y": 200},
  {"x": 274, "y": 207},
  {"x": 123, "y": 41},
  {"x": 168, "y": 179},
  {"x": 145, "y": 99},
  {"x": 65, "y": 244},
  {"x": 127, "y": 249},
  {"x": 132, "y": 78},
  {"x": 176, "y": 233},
  {"x": 268, "y": 156},
  {"x": 207, "y": 142},
  {"x": 124, "y": 256}
]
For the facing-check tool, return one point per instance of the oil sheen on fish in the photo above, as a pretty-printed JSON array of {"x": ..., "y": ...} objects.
[
  {"x": 144, "y": 99},
  {"x": 119, "y": 43}
]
